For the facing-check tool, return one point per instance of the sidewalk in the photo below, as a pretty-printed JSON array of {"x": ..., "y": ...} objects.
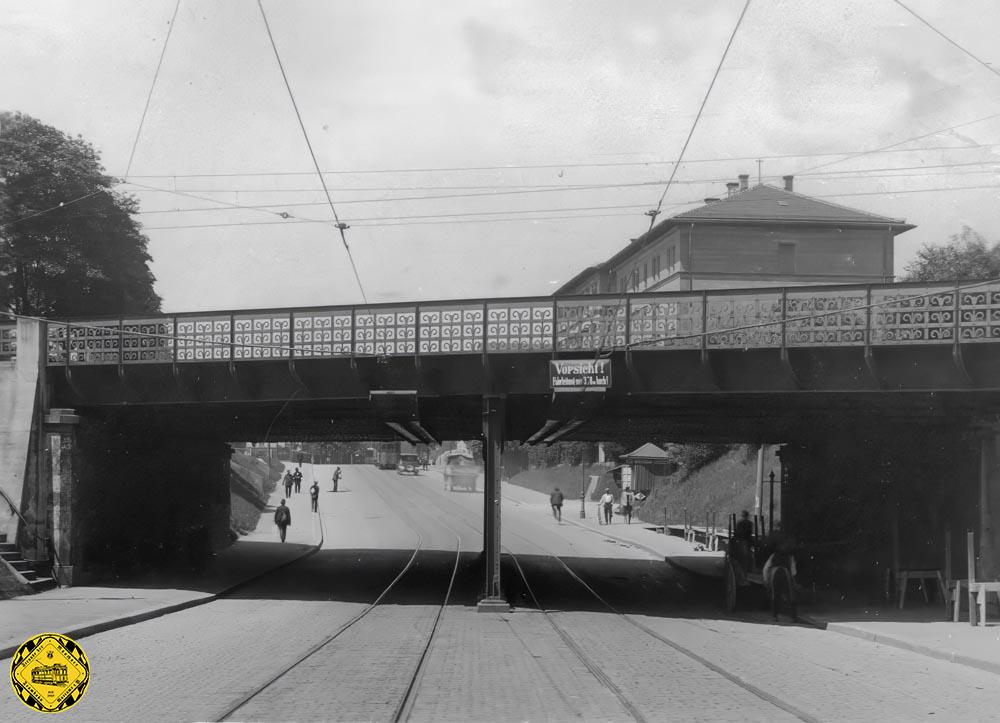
[
  {"x": 81, "y": 611},
  {"x": 919, "y": 627},
  {"x": 674, "y": 550}
]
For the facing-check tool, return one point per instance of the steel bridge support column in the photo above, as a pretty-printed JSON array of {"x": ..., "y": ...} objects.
[
  {"x": 989, "y": 503},
  {"x": 493, "y": 426}
]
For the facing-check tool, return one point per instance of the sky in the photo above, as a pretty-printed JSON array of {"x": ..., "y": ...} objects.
[{"x": 541, "y": 130}]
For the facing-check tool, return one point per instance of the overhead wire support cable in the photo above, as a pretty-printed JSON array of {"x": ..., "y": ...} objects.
[
  {"x": 341, "y": 226},
  {"x": 965, "y": 50},
  {"x": 152, "y": 87},
  {"x": 673, "y": 172},
  {"x": 135, "y": 142}
]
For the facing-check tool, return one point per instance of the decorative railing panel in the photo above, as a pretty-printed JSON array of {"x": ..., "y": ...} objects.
[
  {"x": 8, "y": 341},
  {"x": 262, "y": 336},
  {"x": 830, "y": 318},
  {"x": 207, "y": 338},
  {"x": 147, "y": 341},
  {"x": 590, "y": 324},
  {"x": 519, "y": 326},
  {"x": 913, "y": 316},
  {"x": 665, "y": 322},
  {"x": 448, "y": 329},
  {"x": 741, "y": 321},
  {"x": 323, "y": 334},
  {"x": 379, "y": 332},
  {"x": 748, "y": 319},
  {"x": 979, "y": 314},
  {"x": 94, "y": 343}
]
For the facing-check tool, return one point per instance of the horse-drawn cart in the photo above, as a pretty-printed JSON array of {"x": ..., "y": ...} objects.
[{"x": 757, "y": 568}]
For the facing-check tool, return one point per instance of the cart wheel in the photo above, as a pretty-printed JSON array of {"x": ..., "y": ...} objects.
[
  {"x": 730, "y": 580},
  {"x": 782, "y": 587}
]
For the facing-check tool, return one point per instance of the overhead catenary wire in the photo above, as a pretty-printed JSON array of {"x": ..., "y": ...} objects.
[
  {"x": 341, "y": 227},
  {"x": 380, "y": 220},
  {"x": 894, "y": 147},
  {"x": 487, "y": 194},
  {"x": 543, "y": 166}
]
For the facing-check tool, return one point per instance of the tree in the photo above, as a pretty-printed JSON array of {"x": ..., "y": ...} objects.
[
  {"x": 967, "y": 255},
  {"x": 69, "y": 244}
]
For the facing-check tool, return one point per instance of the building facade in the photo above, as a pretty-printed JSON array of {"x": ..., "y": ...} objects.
[{"x": 760, "y": 236}]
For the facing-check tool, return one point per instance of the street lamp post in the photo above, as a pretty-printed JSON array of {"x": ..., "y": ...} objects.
[{"x": 583, "y": 484}]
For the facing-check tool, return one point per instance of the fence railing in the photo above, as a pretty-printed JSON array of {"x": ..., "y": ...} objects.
[{"x": 827, "y": 316}]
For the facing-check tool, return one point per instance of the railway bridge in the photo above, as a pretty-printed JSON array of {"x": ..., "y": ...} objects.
[{"x": 88, "y": 400}]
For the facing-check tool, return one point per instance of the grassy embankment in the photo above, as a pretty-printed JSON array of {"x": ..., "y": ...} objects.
[
  {"x": 722, "y": 486},
  {"x": 251, "y": 481}
]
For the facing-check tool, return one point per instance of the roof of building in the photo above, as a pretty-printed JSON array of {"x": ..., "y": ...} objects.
[
  {"x": 768, "y": 203},
  {"x": 647, "y": 451}
]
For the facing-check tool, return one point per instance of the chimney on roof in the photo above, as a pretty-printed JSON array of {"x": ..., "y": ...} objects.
[
  {"x": 711, "y": 200},
  {"x": 744, "y": 181},
  {"x": 731, "y": 189},
  {"x": 788, "y": 182}
]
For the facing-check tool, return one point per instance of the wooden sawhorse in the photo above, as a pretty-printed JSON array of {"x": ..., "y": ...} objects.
[{"x": 904, "y": 576}]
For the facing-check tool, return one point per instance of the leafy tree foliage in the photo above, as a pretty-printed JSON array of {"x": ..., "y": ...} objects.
[
  {"x": 69, "y": 244},
  {"x": 967, "y": 255}
]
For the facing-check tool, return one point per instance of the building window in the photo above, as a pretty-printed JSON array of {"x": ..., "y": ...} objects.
[
  {"x": 635, "y": 279},
  {"x": 786, "y": 258},
  {"x": 645, "y": 273},
  {"x": 656, "y": 266},
  {"x": 621, "y": 286},
  {"x": 671, "y": 257}
]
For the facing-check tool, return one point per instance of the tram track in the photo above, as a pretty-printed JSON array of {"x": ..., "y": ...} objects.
[
  {"x": 326, "y": 648},
  {"x": 593, "y": 666}
]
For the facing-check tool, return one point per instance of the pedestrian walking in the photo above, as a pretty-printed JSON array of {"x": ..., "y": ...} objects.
[
  {"x": 607, "y": 505},
  {"x": 283, "y": 519},
  {"x": 627, "y": 500},
  {"x": 297, "y": 476},
  {"x": 556, "y": 500},
  {"x": 314, "y": 496},
  {"x": 288, "y": 484},
  {"x": 336, "y": 479}
]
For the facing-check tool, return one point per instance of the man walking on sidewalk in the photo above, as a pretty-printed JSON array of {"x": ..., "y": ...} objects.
[
  {"x": 314, "y": 496},
  {"x": 556, "y": 500},
  {"x": 607, "y": 505},
  {"x": 283, "y": 519}
]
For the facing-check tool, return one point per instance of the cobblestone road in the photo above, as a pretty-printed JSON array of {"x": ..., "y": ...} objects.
[{"x": 195, "y": 664}]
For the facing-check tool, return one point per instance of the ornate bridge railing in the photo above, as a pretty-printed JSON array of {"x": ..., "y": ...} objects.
[
  {"x": 727, "y": 319},
  {"x": 8, "y": 340}
]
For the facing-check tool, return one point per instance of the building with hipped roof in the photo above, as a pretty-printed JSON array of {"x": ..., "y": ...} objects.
[{"x": 752, "y": 237}]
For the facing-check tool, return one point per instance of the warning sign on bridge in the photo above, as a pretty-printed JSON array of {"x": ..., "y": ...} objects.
[{"x": 580, "y": 375}]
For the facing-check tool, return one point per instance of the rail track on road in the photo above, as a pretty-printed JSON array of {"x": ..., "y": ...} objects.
[
  {"x": 632, "y": 633},
  {"x": 408, "y": 660}
]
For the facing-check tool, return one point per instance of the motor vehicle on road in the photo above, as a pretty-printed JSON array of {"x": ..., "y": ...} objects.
[{"x": 408, "y": 464}]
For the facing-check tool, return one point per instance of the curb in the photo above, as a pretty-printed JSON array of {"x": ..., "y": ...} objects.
[
  {"x": 903, "y": 644},
  {"x": 102, "y": 626}
]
